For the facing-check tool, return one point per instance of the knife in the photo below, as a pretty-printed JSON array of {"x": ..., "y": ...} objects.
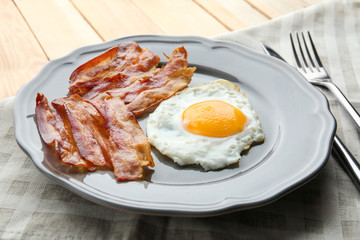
[
  {"x": 346, "y": 159},
  {"x": 269, "y": 51}
]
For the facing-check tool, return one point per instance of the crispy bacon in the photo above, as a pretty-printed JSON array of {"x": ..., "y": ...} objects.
[
  {"x": 55, "y": 132},
  {"x": 46, "y": 121},
  {"x": 173, "y": 70},
  {"x": 86, "y": 128},
  {"x": 124, "y": 127},
  {"x": 132, "y": 147},
  {"x": 105, "y": 66},
  {"x": 139, "y": 83},
  {"x": 95, "y": 126},
  {"x": 142, "y": 95},
  {"x": 103, "y": 138},
  {"x": 144, "y": 66}
]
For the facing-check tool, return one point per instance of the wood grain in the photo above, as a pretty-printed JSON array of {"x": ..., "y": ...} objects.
[
  {"x": 276, "y": 8},
  {"x": 34, "y": 31},
  {"x": 113, "y": 19},
  {"x": 313, "y": 2},
  {"x": 183, "y": 17},
  {"x": 21, "y": 57},
  {"x": 234, "y": 14},
  {"x": 58, "y": 26}
]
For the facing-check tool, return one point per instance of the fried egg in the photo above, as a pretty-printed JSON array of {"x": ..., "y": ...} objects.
[{"x": 209, "y": 125}]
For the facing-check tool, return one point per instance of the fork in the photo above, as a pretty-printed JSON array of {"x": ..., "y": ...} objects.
[
  {"x": 316, "y": 74},
  {"x": 346, "y": 159},
  {"x": 309, "y": 65}
]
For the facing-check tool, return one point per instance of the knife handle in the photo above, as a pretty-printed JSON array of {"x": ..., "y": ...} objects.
[
  {"x": 343, "y": 100},
  {"x": 347, "y": 160}
]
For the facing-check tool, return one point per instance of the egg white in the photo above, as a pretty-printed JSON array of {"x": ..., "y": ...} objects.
[{"x": 166, "y": 134}]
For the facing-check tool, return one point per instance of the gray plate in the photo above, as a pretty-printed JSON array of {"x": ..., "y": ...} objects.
[{"x": 295, "y": 117}]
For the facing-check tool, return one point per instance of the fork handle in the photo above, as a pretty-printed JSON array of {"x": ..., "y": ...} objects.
[
  {"x": 347, "y": 160},
  {"x": 343, "y": 100}
]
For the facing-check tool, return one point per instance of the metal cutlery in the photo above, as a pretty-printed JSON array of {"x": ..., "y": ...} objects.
[
  {"x": 348, "y": 161},
  {"x": 309, "y": 65}
]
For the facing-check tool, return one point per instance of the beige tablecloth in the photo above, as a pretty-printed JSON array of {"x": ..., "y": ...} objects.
[{"x": 328, "y": 207}]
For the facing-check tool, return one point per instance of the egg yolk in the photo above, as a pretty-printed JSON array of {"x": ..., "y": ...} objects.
[{"x": 213, "y": 118}]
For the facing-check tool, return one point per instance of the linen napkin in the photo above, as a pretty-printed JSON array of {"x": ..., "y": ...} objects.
[{"x": 33, "y": 206}]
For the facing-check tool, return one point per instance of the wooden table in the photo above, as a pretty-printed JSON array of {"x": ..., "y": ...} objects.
[{"x": 32, "y": 32}]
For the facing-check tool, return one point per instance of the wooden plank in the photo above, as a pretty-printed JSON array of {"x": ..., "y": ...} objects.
[
  {"x": 312, "y": 2},
  {"x": 234, "y": 14},
  {"x": 276, "y": 8},
  {"x": 21, "y": 57},
  {"x": 58, "y": 26},
  {"x": 183, "y": 17},
  {"x": 113, "y": 19}
]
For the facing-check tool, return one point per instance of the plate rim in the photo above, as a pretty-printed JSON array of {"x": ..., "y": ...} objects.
[{"x": 163, "y": 211}]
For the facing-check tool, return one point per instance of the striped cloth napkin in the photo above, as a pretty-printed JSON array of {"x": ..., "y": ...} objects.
[{"x": 328, "y": 207}]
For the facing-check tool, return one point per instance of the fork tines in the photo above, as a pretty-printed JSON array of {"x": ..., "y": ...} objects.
[{"x": 309, "y": 60}]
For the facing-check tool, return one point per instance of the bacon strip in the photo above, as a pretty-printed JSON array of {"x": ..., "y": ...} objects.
[
  {"x": 124, "y": 127},
  {"x": 86, "y": 128},
  {"x": 95, "y": 126},
  {"x": 108, "y": 64},
  {"x": 138, "y": 81},
  {"x": 103, "y": 139},
  {"x": 46, "y": 121},
  {"x": 55, "y": 132},
  {"x": 132, "y": 147},
  {"x": 142, "y": 67},
  {"x": 142, "y": 95}
]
